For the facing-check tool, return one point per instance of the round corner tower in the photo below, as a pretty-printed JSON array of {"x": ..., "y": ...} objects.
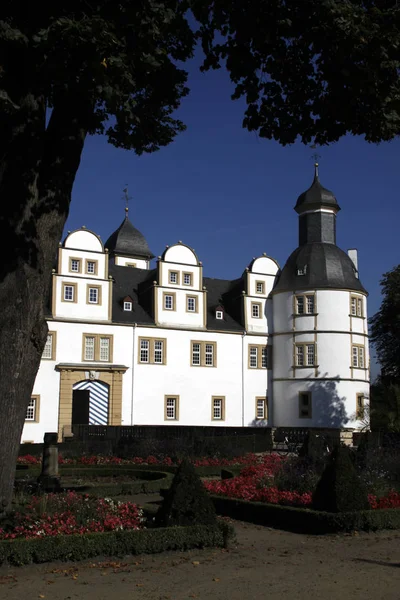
[{"x": 320, "y": 339}]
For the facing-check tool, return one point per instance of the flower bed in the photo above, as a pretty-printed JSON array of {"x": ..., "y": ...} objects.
[
  {"x": 69, "y": 513},
  {"x": 255, "y": 483}
]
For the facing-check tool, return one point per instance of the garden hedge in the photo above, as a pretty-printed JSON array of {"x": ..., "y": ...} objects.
[
  {"x": 303, "y": 520},
  {"x": 114, "y": 543}
]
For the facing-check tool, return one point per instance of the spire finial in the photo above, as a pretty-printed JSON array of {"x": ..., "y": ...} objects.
[
  {"x": 315, "y": 156},
  {"x": 126, "y": 197}
]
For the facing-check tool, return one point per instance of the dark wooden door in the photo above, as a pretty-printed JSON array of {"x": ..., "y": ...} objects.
[{"x": 80, "y": 407}]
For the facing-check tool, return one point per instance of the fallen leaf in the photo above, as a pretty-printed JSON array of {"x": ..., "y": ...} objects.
[
  {"x": 216, "y": 579},
  {"x": 195, "y": 562}
]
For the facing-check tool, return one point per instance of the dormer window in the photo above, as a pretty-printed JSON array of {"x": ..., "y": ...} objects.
[
  {"x": 302, "y": 270},
  {"x": 127, "y": 304},
  {"x": 219, "y": 314}
]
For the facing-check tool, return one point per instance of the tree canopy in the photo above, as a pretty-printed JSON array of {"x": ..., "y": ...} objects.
[{"x": 385, "y": 327}]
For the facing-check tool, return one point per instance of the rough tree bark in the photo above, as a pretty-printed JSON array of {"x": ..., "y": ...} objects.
[{"x": 38, "y": 165}]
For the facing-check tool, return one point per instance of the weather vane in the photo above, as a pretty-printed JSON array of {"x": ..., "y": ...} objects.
[{"x": 126, "y": 197}]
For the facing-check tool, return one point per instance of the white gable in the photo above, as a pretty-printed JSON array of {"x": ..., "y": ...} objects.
[
  {"x": 82, "y": 239},
  {"x": 265, "y": 265},
  {"x": 181, "y": 254}
]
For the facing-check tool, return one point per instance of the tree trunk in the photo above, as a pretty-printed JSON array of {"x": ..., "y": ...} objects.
[{"x": 37, "y": 171}]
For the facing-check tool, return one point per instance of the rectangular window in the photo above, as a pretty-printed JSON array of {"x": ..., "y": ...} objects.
[
  {"x": 97, "y": 347},
  {"x": 74, "y": 265},
  {"x": 358, "y": 357},
  {"x": 260, "y": 287},
  {"x": 256, "y": 310},
  {"x": 258, "y": 357},
  {"x": 104, "y": 349},
  {"x": 261, "y": 408},
  {"x": 93, "y": 295},
  {"x": 219, "y": 315},
  {"x": 171, "y": 408},
  {"x": 305, "y": 407},
  {"x": 203, "y": 354},
  {"x": 152, "y": 351},
  {"x": 305, "y": 355},
  {"x": 128, "y": 306},
  {"x": 356, "y": 306},
  {"x": 305, "y": 305},
  {"x": 174, "y": 277},
  {"x": 360, "y": 406},
  {"x": 187, "y": 279},
  {"x": 69, "y": 293},
  {"x": 191, "y": 304},
  {"x": 49, "y": 352},
  {"x": 91, "y": 267},
  {"x": 32, "y": 411},
  {"x": 218, "y": 408},
  {"x": 169, "y": 301}
]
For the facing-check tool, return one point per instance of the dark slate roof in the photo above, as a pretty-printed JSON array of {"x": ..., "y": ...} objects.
[
  {"x": 227, "y": 295},
  {"x": 129, "y": 241},
  {"x": 136, "y": 283},
  {"x": 315, "y": 196},
  {"x": 327, "y": 267}
]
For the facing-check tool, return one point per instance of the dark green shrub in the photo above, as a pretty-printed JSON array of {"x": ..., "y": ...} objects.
[
  {"x": 340, "y": 489},
  {"x": 186, "y": 502},
  {"x": 297, "y": 475}
]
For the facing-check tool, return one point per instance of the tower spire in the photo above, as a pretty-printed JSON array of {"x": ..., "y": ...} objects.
[{"x": 126, "y": 197}]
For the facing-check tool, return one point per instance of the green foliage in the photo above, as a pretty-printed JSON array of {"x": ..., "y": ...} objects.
[
  {"x": 116, "y": 543},
  {"x": 340, "y": 489},
  {"x": 302, "y": 520},
  {"x": 297, "y": 63},
  {"x": 186, "y": 502},
  {"x": 385, "y": 327},
  {"x": 297, "y": 475},
  {"x": 385, "y": 405}
]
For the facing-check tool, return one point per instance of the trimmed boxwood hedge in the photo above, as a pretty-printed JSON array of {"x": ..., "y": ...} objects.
[
  {"x": 114, "y": 543},
  {"x": 303, "y": 520}
]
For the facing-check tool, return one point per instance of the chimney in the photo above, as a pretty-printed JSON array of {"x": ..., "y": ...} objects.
[{"x": 353, "y": 255}]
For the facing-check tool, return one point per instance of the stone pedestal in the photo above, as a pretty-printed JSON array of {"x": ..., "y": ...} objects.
[{"x": 49, "y": 478}]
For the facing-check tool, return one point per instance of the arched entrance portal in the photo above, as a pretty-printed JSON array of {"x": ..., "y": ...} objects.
[{"x": 90, "y": 400}]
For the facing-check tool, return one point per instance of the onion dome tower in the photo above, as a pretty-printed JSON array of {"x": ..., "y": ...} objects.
[
  {"x": 128, "y": 246},
  {"x": 321, "y": 357}
]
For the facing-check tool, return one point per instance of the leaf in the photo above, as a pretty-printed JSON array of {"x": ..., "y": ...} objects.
[{"x": 195, "y": 562}]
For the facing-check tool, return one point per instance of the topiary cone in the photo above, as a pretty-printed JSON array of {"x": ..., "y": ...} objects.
[
  {"x": 187, "y": 501},
  {"x": 339, "y": 489}
]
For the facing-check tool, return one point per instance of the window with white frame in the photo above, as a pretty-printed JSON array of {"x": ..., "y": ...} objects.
[
  {"x": 305, "y": 304},
  {"x": 173, "y": 277},
  {"x": 358, "y": 356},
  {"x": 219, "y": 315},
  {"x": 97, "y": 347},
  {"x": 49, "y": 348},
  {"x": 32, "y": 411},
  {"x": 218, "y": 408},
  {"x": 258, "y": 356},
  {"x": 305, "y": 355},
  {"x": 261, "y": 407},
  {"x": 187, "y": 279},
  {"x": 255, "y": 310},
  {"x": 91, "y": 267},
  {"x": 75, "y": 265},
  {"x": 191, "y": 304},
  {"x": 260, "y": 286},
  {"x": 302, "y": 270},
  {"x": 152, "y": 351},
  {"x": 356, "y": 306},
  {"x": 127, "y": 305},
  {"x": 171, "y": 408},
  {"x": 93, "y": 295},
  {"x": 203, "y": 354},
  {"x": 169, "y": 303},
  {"x": 69, "y": 292}
]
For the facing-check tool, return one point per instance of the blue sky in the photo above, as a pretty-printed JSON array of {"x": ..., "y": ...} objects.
[{"x": 230, "y": 195}]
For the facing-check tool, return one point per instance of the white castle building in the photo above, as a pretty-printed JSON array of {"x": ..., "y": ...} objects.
[{"x": 130, "y": 344}]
